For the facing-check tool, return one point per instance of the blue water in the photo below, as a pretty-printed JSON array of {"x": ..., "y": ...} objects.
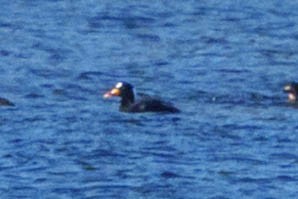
[{"x": 223, "y": 63}]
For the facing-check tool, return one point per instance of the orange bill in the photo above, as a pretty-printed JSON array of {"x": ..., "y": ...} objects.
[{"x": 111, "y": 93}]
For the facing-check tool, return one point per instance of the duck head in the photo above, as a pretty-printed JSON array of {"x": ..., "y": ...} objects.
[
  {"x": 291, "y": 89},
  {"x": 123, "y": 90}
]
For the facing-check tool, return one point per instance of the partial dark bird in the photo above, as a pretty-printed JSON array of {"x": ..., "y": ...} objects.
[
  {"x": 292, "y": 90},
  {"x": 5, "y": 102}
]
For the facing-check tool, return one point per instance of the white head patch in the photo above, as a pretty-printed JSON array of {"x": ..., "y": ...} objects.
[{"x": 119, "y": 85}]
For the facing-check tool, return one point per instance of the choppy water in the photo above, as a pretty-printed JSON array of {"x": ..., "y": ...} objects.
[{"x": 222, "y": 64}]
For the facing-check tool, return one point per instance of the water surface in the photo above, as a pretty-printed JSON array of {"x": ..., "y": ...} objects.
[{"x": 222, "y": 64}]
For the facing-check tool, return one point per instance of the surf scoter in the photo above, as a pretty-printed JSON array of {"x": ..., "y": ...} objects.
[
  {"x": 128, "y": 103},
  {"x": 5, "y": 102},
  {"x": 292, "y": 90}
]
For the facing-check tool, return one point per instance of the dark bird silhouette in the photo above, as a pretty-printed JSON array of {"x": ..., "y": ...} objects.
[{"x": 147, "y": 103}]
